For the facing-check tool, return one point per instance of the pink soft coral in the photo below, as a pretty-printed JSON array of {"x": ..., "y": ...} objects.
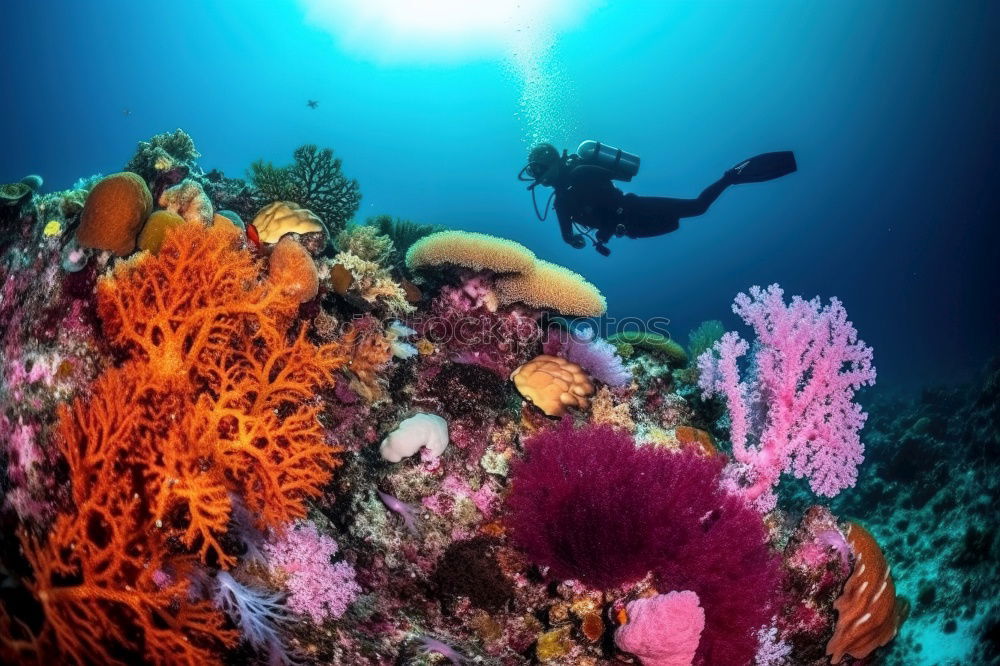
[
  {"x": 795, "y": 412},
  {"x": 317, "y": 587},
  {"x": 663, "y": 630}
]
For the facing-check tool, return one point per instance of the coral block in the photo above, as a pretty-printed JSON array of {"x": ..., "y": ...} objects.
[{"x": 115, "y": 210}]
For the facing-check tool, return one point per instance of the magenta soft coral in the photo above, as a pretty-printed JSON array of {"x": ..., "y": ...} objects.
[
  {"x": 794, "y": 411},
  {"x": 590, "y": 505}
]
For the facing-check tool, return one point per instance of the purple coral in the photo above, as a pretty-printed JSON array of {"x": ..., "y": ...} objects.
[
  {"x": 429, "y": 645},
  {"x": 257, "y": 614},
  {"x": 317, "y": 587},
  {"x": 590, "y": 505},
  {"x": 794, "y": 411},
  {"x": 407, "y": 512},
  {"x": 597, "y": 356}
]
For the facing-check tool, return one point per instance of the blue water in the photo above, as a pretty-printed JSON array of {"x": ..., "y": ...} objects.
[{"x": 891, "y": 109}]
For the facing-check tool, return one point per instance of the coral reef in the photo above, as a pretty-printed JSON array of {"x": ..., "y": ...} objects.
[
  {"x": 236, "y": 445},
  {"x": 315, "y": 181}
]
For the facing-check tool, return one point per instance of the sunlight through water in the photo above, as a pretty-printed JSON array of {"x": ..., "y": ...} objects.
[{"x": 521, "y": 34}]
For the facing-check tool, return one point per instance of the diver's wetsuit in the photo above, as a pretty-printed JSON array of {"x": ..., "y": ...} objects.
[{"x": 584, "y": 195}]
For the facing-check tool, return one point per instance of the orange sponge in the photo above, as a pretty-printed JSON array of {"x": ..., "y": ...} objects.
[
  {"x": 114, "y": 213},
  {"x": 292, "y": 270}
]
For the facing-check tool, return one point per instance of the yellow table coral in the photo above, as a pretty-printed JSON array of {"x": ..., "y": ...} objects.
[{"x": 552, "y": 384}]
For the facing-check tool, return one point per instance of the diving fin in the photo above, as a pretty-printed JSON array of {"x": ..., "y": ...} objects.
[{"x": 766, "y": 166}]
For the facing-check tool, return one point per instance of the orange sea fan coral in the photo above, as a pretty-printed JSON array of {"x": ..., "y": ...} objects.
[
  {"x": 216, "y": 401},
  {"x": 96, "y": 574},
  {"x": 868, "y": 611},
  {"x": 185, "y": 304}
]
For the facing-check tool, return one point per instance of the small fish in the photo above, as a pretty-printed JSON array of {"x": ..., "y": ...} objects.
[
  {"x": 312, "y": 104},
  {"x": 253, "y": 236}
]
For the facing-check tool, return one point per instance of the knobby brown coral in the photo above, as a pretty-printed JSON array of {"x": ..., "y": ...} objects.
[{"x": 868, "y": 612}]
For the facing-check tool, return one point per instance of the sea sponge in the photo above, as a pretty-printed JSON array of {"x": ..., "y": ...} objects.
[
  {"x": 420, "y": 431},
  {"x": 188, "y": 199},
  {"x": 868, "y": 612},
  {"x": 552, "y": 384},
  {"x": 153, "y": 232},
  {"x": 468, "y": 249},
  {"x": 293, "y": 271},
  {"x": 114, "y": 212},
  {"x": 283, "y": 217},
  {"x": 663, "y": 630},
  {"x": 553, "y": 287},
  {"x": 653, "y": 343}
]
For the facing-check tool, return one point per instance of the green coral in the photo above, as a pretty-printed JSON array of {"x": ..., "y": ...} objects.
[
  {"x": 162, "y": 153},
  {"x": 315, "y": 181},
  {"x": 366, "y": 243},
  {"x": 653, "y": 343},
  {"x": 403, "y": 233},
  {"x": 704, "y": 337}
]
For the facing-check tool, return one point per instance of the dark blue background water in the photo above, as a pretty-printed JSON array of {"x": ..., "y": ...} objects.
[{"x": 891, "y": 108}]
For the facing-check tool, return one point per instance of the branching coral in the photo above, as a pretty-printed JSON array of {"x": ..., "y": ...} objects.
[
  {"x": 214, "y": 402},
  {"x": 365, "y": 242},
  {"x": 319, "y": 588},
  {"x": 402, "y": 233},
  {"x": 315, "y": 181},
  {"x": 94, "y": 576},
  {"x": 161, "y": 153},
  {"x": 796, "y": 412}
]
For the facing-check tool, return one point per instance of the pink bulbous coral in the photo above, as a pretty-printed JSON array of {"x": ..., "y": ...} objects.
[
  {"x": 794, "y": 411},
  {"x": 663, "y": 630}
]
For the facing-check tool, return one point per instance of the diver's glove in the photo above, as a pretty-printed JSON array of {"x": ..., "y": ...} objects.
[{"x": 577, "y": 241}]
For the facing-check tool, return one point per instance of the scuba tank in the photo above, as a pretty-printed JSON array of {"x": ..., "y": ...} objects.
[{"x": 623, "y": 166}]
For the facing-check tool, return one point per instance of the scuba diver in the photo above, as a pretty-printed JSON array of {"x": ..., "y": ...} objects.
[{"x": 589, "y": 206}]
